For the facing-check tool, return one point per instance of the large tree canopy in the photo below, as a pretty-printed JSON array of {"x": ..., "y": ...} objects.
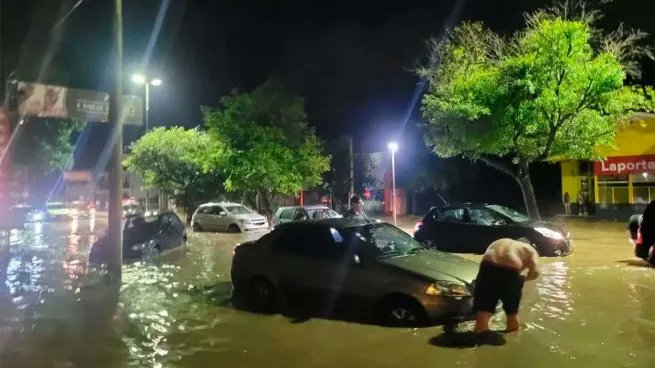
[
  {"x": 554, "y": 89},
  {"x": 182, "y": 162},
  {"x": 269, "y": 148}
]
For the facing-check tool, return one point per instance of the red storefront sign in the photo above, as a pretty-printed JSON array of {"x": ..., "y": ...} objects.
[
  {"x": 625, "y": 165},
  {"x": 5, "y": 168}
]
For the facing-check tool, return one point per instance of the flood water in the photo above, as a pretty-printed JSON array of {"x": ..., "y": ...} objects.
[{"x": 593, "y": 308}]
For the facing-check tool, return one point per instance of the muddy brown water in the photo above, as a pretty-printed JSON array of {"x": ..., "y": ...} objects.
[{"x": 593, "y": 308}]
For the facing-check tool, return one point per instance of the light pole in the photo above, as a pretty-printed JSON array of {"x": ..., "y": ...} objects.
[
  {"x": 393, "y": 147},
  {"x": 141, "y": 79}
]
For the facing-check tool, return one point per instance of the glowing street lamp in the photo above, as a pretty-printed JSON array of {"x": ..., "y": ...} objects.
[
  {"x": 393, "y": 147},
  {"x": 141, "y": 79}
]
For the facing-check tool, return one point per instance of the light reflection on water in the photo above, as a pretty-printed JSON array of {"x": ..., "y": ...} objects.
[{"x": 585, "y": 310}]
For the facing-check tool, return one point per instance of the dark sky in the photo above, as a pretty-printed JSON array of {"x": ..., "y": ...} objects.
[{"x": 351, "y": 60}]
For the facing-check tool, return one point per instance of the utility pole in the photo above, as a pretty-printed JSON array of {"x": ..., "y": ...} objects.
[
  {"x": 352, "y": 168},
  {"x": 147, "y": 122},
  {"x": 115, "y": 233}
]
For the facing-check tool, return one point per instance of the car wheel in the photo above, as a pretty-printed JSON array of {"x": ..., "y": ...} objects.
[
  {"x": 234, "y": 228},
  {"x": 263, "y": 296},
  {"x": 401, "y": 312},
  {"x": 196, "y": 227}
]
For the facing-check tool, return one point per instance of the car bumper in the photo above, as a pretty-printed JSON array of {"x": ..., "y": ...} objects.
[
  {"x": 253, "y": 227},
  {"x": 444, "y": 309},
  {"x": 558, "y": 248}
]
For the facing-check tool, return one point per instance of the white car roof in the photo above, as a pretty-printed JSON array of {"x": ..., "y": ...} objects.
[
  {"x": 220, "y": 204},
  {"x": 311, "y": 207}
]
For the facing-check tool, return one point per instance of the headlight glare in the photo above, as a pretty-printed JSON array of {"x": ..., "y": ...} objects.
[
  {"x": 443, "y": 288},
  {"x": 548, "y": 233}
]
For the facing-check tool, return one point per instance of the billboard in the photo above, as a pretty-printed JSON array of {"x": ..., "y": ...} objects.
[
  {"x": 5, "y": 168},
  {"x": 625, "y": 165},
  {"x": 49, "y": 101}
]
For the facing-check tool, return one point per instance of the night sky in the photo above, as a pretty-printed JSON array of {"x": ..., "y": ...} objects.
[{"x": 351, "y": 60}]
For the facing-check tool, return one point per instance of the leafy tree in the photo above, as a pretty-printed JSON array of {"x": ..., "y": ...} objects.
[
  {"x": 182, "y": 162},
  {"x": 269, "y": 149},
  {"x": 555, "y": 89}
]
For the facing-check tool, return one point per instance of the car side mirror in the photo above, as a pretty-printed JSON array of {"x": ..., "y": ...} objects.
[{"x": 222, "y": 213}]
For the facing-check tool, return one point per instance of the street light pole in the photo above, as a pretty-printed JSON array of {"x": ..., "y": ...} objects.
[
  {"x": 147, "y": 123},
  {"x": 393, "y": 147}
]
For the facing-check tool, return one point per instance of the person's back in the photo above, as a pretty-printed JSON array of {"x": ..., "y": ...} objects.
[
  {"x": 513, "y": 254},
  {"x": 501, "y": 278}
]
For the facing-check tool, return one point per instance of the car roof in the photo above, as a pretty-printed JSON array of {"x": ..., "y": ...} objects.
[
  {"x": 340, "y": 223},
  {"x": 220, "y": 204},
  {"x": 460, "y": 205},
  {"x": 310, "y": 207}
]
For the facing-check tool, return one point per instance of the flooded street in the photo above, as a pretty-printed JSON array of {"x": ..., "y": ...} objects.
[{"x": 593, "y": 308}]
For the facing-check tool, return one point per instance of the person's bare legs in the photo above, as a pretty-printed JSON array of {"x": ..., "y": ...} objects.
[
  {"x": 513, "y": 323},
  {"x": 482, "y": 322}
]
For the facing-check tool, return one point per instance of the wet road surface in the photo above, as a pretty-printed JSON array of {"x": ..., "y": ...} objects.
[{"x": 593, "y": 308}]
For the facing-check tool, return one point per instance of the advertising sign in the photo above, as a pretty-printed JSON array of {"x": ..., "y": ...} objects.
[
  {"x": 48, "y": 101},
  {"x": 625, "y": 165},
  {"x": 5, "y": 168}
]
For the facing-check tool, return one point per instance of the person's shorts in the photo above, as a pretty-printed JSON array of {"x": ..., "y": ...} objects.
[{"x": 495, "y": 284}]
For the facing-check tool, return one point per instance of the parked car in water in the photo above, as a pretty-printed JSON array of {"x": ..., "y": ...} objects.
[
  {"x": 373, "y": 268},
  {"x": 132, "y": 209},
  {"x": 81, "y": 210},
  {"x": 56, "y": 211},
  {"x": 472, "y": 227},
  {"x": 298, "y": 213},
  {"x": 227, "y": 216},
  {"x": 144, "y": 238}
]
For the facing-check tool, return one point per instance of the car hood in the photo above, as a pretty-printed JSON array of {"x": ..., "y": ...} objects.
[
  {"x": 436, "y": 265},
  {"x": 250, "y": 216},
  {"x": 547, "y": 225}
]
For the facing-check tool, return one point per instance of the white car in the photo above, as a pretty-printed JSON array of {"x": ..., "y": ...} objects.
[
  {"x": 226, "y": 216},
  {"x": 299, "y": 213}
]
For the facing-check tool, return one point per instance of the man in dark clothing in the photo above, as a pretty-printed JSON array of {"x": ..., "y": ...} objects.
[
  {"x": 648, "y": 229},
  {"x": 356, "y": 210}
]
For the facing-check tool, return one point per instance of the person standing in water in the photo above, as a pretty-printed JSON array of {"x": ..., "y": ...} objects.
[
  {"x": 567, "y": 203},
  {"x": 505, "y": 266}
]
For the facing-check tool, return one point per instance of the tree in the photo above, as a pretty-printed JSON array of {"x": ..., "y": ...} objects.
[
  {"x": 269, "y": 148},
  {"x": 178, "y": 161},
  {"x": 554, "y": 89}
]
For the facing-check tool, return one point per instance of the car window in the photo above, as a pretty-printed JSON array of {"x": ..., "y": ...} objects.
[
  {"x": 300, "y": 214},
  {"x": 451, "y": 214},
  {"x": 175, "y": 221},
  {"x": 308, "y": 241},
  {"x": 482, "y": 216},
  {"x": 237, "y": 210},
  {"x": 384, "y": 241},
  {"x": 287, "y": 214},
  {"x": 215, "y": 210}
]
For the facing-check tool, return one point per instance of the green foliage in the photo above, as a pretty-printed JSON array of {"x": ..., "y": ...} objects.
[
  {"x": 179, "y": 161},
  {"x": 44, "y": 146},
  {"x": 269, "y": 149},
  {"x": 543, "y": 93},
  {"x": 555, "y": 89}
]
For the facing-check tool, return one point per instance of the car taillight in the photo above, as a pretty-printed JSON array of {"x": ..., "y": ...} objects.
[
  {"x": 418, "y": 225},
  {"x": 639, "y": 239}
]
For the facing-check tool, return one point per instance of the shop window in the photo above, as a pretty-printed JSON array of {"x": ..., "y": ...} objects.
[{"x": 613, "y": 193}]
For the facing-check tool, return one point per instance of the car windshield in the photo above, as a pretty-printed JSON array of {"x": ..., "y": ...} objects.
[
  {"x": 508, "y": 212},
  {"x": 388, "y": 241},
  {"x": 237, "y": 210},
  {"x": 322, "y": 213}
]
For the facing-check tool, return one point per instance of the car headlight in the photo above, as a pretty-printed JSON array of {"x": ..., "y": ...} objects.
[
  {"x": 443, "y": 288},
  {"x": 548, "y": 233},
  {"x": 246, "y": 222}
]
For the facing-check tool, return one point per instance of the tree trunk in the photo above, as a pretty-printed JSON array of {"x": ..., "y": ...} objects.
[
  {"x": 529, "y": 198},
  {"x": 266, "y": 204}
]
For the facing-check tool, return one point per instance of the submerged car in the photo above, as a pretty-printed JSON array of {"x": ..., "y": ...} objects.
[
  {"x": 298, "y": 213},
  {"x": 472, "y": 227},
  {"x": 226, "y": 216},
  {"x": 56, "y": 211},
  {"x": 144, "y": 238},
  {"x": 81, "y": 210},
  {"x": 375, "y": 268}
]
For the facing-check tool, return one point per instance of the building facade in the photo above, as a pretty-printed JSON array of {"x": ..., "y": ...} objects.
[{"x": 624, "y": 182}]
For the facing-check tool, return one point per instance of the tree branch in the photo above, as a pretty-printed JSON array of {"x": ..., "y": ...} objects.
[{"x": 500, "y": 166}]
